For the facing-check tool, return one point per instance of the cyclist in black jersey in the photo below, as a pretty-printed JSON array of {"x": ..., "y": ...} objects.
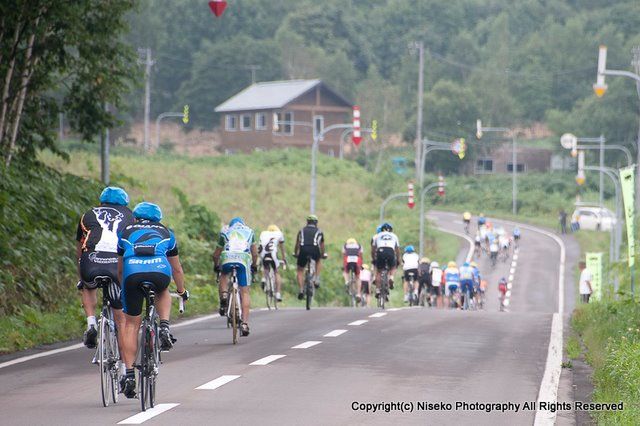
[
  {"x": 309, "y": 245},
  {"x": 96, "y": 251}
]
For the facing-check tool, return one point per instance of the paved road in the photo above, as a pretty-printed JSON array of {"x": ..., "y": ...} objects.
[{"x": 406, "y": 355}]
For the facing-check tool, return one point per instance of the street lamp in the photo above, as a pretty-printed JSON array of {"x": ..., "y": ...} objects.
[
  {"x": 318, "y": 136},
  {"x": 514, "y": 163},
  {"x": 600, "y": 88},
  {"x": 184, "y": 115}
]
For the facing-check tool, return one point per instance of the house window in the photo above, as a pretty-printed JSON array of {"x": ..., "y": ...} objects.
[
  {"x": 519, "y": 169},
  {"x": 261, "y": 121},
  {"x": 245, "y": 122},
  {"x": 231, "y": 123},
  {"x": 284, "y": 123},
  {"x": 318, "y": 123},
  {"x": 484, "y": 165}
]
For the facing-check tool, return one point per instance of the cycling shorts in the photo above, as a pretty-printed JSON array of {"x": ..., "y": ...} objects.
[
  {"x": 306, "y": 253},
  {"x": 435, "y": 290},
  {"x": 101, "y": 264},
  {"x": 242, "y": 274},
  {"x": 466, "y": 285},
  {"x": 516, "y": 237},
  {"x": 386, "y": 258},
  {"x": 411, "y": 271},
  {"x": 352, "y": 266},
  {"x": 365, "y": 287},
  {"x": 133, "y": 294},
  {"x": 451, "y": 288},
  {"x": 269, "y": 262}
]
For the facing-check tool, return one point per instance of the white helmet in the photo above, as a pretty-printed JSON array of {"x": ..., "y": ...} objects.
[{"x": 434, "y": 264}]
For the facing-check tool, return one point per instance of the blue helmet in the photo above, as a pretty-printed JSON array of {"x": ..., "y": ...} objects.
[
  {"x": 148, "y": 211},
  {"x": 236, "y": 220},
  {"x": 379, "y": 229},
  {"x": 386, "y": 227},
  {"x": 409, "y": 249},
  {"x": 465, "y": 264},
  {"x": 114, "y": 195}
]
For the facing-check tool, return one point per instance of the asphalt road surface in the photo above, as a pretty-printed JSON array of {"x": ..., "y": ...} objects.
[{"x": 346, "y": 358}]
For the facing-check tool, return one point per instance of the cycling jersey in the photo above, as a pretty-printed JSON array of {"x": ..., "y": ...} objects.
[
  {"x": 236, "y": 242},
  {"x": 436, "y": 276},
  {"x": 466, "y": 216},
  {"x": 144, "y": 247},
  {"x": 481, "y": 221},
  {"x": 365, "y": 275},
  {"x": 99, "y": 227},
  {"x": 466, "y": 273},
  {"x": 493, "y": 246},
  {"x": 410, "y": 261},
  {"x": 476, "y": 276},
  {"x": 269, "y": 241},
  {"x": 452, "y": 276},
  {"x": 386, "y": 239},
  {"x": 310, "y": 235},
  {"x": 352, "y": 253}
]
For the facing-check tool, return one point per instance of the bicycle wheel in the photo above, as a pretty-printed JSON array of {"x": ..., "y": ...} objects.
[
  {"x": 233, "y": 311},
  {"x": 114, "y": 359},
  {"x": 308, "y": 292},
  {"x": 268, "y": 293},
  {"x": 384, "y": 288},
  {"x": 143, "y": 368},
  {"x": 103, "y": 360},
  {"x": 154, "y": 360}
]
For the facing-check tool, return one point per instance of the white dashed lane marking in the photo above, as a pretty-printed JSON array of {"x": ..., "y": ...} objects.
[
  {"x": 335, "y": 333},
  {"x": 377, "y": 315},
  {"x": 216, "y": 383},
  {"x": 146, "y": 415},
  {"x": 267, "y": 359},
  {"x": 359, "y": 322},
  {"x": 306, "y": 345}
]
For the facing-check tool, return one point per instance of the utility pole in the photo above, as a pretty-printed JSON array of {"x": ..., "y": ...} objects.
[
  {"x": 148, "y": 63},
  {"x": 253, "y": 69},
  {"x": 419, "y": 118},
  {"x": 104, "y": 146},
  {"x": 636, "y": 65}
]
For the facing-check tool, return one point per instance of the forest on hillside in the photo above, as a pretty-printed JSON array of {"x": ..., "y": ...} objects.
[{"x": 511, "y": 63}]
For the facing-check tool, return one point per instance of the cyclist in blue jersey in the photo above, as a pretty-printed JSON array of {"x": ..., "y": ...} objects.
[
  {"x": 452, "y": 282},
  {"x": 477, "y": 278},
  {"x": 236, "y": 250},
  {"x": 466, "y": 281},
  {"x": 147, "y": 252},
  {"x": 481, "y": 220}
]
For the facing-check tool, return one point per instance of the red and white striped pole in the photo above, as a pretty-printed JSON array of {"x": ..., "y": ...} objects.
[
  {"x": 356, "y": 135},
  {"x": 411, "y": 201},
  {"x": 441, "y": 185}
]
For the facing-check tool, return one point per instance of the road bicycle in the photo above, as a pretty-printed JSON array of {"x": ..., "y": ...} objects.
[
  {"x": 352, "y": 289},
  {"x": 503, "y": 301},
  {"x": 384, "y": 287},
  {"x": 309, "y": 277},
  {"x": 234, "y": 305},
  {"x": 494, "y": 258},
  {"x": 107, "y": 355},
  {"x": 269, "y": 274},
  {"x": 148, "y": 349},
  {"x": 454, "y": 298},
  {"x": 413, "y": 297},
  {"x": 468, "y": 300}
]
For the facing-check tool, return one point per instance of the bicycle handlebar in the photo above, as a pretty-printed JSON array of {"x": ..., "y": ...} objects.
[{"x": 180, "y": 302}]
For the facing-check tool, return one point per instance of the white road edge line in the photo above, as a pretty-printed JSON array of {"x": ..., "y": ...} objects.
[
  {"x": 359, "y": 322},
  {"x": 335, "y": 333},
  {"x": 216, "y": 383},
  {"x": 146, "y": 415},
  {"x": 80, "y": 345},
  {"x": 267, "y": 360},
  {"x": 553, "y": 368},
  {"x": 509, "y": 286},
  {"x": 378, "y": 315},
  {"x": 307, "y": 344}
]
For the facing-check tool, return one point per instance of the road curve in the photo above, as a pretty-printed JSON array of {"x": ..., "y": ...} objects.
[{"x": 406, "y": 355}]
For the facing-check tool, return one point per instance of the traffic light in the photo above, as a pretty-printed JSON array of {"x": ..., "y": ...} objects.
[
  {"x": 411, "y": 200},
  {"x": 441, "y": 185},
  {"x": 185, "y": 114},
  {"x": 356, "y": 135}
]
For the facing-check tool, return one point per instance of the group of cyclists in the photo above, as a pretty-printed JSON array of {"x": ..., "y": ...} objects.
[
  {"x": 132, "y": 247},
  {"x": 492, "y": 240}
]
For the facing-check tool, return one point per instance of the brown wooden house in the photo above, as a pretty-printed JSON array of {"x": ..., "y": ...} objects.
[{"x": 247, "y": 117}]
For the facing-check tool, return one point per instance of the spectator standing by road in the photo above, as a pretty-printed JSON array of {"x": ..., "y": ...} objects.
[
  {"x": 585, "y": 283},
  {"x": 563, "y": 221}
]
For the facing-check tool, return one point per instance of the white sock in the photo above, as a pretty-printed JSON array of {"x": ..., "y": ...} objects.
[{"x": 91, "y": 321}]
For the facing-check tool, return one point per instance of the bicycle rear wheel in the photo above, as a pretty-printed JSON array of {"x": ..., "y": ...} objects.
[
  {"x": 143, "y": 369},
  {"x": 233, "y": 311},
  {"x": 308, "y": 292},
  {"x": 114, "y": 366},
  {"x": 103, "y": 360},
  {"x": 268, "y": 290},
  {"x": 384, "y": 289}
]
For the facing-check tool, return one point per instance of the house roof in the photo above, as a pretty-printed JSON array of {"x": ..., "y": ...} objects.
[{"x": 271, "y": 95}]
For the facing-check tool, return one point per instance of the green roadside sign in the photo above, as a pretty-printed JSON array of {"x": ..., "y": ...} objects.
[
  {"x": 627, "y": 182},
  {"x": 594, "y": 264}
]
